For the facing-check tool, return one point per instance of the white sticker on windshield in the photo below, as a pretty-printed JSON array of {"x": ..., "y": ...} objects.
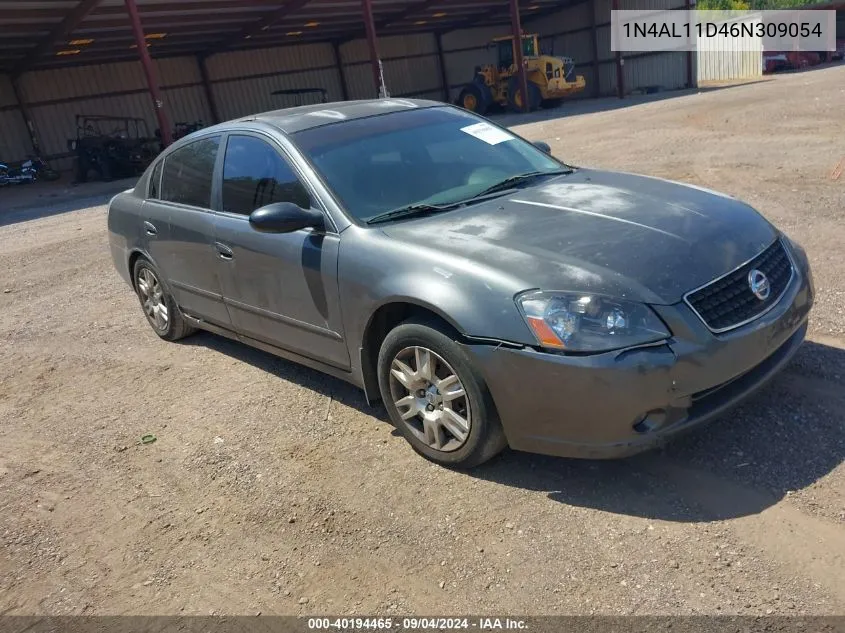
[{"x": 487, "y": 133}]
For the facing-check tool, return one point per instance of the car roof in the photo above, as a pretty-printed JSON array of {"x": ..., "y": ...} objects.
[{"x": 296, "y": 119}]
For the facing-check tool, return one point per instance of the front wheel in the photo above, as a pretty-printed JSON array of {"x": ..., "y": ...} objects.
[{"x": 436, "y": 398}]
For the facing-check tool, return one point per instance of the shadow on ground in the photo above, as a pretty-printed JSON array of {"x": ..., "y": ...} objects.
[
  {"x": 784, "y": 439},
  {"x": 326, "y": 385},
  {"x": 21, "y": 203}
]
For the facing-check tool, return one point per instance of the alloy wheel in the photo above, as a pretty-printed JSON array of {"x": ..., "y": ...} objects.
[
  {"x": 430, "y": 398},
  {"x": 152, "y": 299}
]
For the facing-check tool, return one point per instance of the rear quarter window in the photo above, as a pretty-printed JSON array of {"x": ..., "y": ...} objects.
[
  {"x": 154, "y": 185},
  {"x": 189, "y": 171}
]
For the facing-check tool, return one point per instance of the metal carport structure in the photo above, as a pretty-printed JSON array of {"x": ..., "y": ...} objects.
[{"x": 53, "y": 41}]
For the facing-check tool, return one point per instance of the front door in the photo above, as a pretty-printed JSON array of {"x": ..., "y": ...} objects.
[
  {"x": 189, "y": 256},
  {"x": 279, "y": 288}
]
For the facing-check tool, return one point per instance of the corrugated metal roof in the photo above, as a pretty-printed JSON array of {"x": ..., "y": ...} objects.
[{"x": 58, "y": 33}]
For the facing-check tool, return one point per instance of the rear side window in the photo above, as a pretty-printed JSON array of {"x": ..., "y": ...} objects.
[
  {"x": 255, "y": 175},
  {"x": 188, "y": 173},
  {"x": 155, "y": 181}
]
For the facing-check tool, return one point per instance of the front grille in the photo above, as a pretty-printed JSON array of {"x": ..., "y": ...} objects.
[{"x": 728, "y": 301}]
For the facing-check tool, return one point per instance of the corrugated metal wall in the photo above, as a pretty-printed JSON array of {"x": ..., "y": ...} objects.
[
  {"x": 726, "y": 59},
  {"x": 14, "y": 139},
  {"x": 55, "y": 97},
  {"x": 411, "y": 67},
  {"x": 242, "y": 82}
]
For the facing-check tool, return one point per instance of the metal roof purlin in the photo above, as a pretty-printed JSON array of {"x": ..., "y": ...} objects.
[
  {"x": 264, "y": 23},
  {"x": 64, "y": 28}
]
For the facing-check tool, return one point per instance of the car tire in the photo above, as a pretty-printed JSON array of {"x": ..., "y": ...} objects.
[
  {"x": 153, "y": 294},
  {"x": 485, "y": 437}
]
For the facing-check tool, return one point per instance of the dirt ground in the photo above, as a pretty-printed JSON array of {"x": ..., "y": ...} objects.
[{"x": 273, "y": 488}]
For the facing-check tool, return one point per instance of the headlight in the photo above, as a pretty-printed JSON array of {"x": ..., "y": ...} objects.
[{"x": 578, "y": 322}]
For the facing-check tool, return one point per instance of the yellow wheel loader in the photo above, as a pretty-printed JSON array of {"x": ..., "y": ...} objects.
[{"x": 550, "y": 79}]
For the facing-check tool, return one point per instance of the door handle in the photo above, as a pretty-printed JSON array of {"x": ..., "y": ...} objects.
[
  {"x": 150, "y": 228},
  {"x": 224, "y": 251}
]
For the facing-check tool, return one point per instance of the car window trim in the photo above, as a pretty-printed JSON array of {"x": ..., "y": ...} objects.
[
  {"x": 155, "y": 165},
  {"x": 217, "y": 165},
  {"x": 316, "y": 202}
]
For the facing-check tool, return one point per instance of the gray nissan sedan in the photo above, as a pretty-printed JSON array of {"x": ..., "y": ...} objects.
[{"x": 487, "y": 293}]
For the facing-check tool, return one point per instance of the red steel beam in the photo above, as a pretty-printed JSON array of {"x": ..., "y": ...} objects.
[
  {"x": 209, "y": 93},
  {"x": 688, "y": 7},
  {"x": 620, "y": 74},
  {"x": 441, "y": 63},
  {"x": 369, "y": 23},
  {"x": 150, "y": 72},
  {"x": 516, "y": 28},
  {"x": 338, "y": 60},
  {"x": 58, "y": 33},
  {"x": 594, "y": 42}
]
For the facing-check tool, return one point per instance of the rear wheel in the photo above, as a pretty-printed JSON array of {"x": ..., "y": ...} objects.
[
  {"x": 436, "y": 398},
  {"x": 161, "y": 310}
]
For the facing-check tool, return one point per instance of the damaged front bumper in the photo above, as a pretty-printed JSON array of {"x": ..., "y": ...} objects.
[{"x": 620, "y": 403}]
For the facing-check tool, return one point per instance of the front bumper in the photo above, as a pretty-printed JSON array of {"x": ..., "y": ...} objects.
[{"x": 624, "y": 402}]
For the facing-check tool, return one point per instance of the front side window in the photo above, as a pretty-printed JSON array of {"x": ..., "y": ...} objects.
[
  {"x": 188, "y": 173},
  {"x": 436, "y": 156},
  {"x": 255, "y": 175}
]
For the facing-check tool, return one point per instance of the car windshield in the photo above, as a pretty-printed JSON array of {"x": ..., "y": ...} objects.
[{"x": 420, "y": 156}]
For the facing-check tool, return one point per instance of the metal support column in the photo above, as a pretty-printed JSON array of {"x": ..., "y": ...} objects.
[
  {"x": 516, "y": 28},
  {"x": 594, "y": 41},
  {"x": 690, "y": 82},
  {"x": 209, "y": 94},
  {"x": 338, "y": 61},
  {"x": 620, "y": 75},
  {"x": 369, "y": 23},
  {"x": 441, "y": 62},
  {"x": 27, "y": 117},
  {"x": 150, "y": 73}
]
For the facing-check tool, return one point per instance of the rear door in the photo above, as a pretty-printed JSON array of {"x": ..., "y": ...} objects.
[
  {"x": 279, "y": 288},
  {"x": 186, "y": 250}
]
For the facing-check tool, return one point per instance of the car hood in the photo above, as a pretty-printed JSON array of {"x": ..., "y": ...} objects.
[{"x": 612, "y": 233}]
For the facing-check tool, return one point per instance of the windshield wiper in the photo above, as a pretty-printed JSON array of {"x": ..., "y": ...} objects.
[
  {"x": 519, "y": 179},
  {"x": 410, "y": 211}
]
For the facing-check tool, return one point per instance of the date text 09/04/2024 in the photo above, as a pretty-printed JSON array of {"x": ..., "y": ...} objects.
[
  {"x": 722, "y": 29},
  {"x": 415, "y": 623}
]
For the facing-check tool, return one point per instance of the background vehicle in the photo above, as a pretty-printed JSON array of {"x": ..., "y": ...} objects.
[
  {"x": 550, "y": 79},
  {"x": 774, "y": 61},
  {"x": 112, "y": 146},
  {"x": 303, "y": 96},
  {"x": 32, "y": 169},
  {"x": 183, "y": 128}
]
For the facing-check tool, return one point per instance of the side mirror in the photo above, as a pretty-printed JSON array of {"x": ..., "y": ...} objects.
[
  {"x": 542, "y": 145},
  {"x": 284, "y": 217}
]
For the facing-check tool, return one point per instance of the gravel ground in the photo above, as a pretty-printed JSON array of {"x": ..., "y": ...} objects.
[{"x": 273, "y": 488}]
